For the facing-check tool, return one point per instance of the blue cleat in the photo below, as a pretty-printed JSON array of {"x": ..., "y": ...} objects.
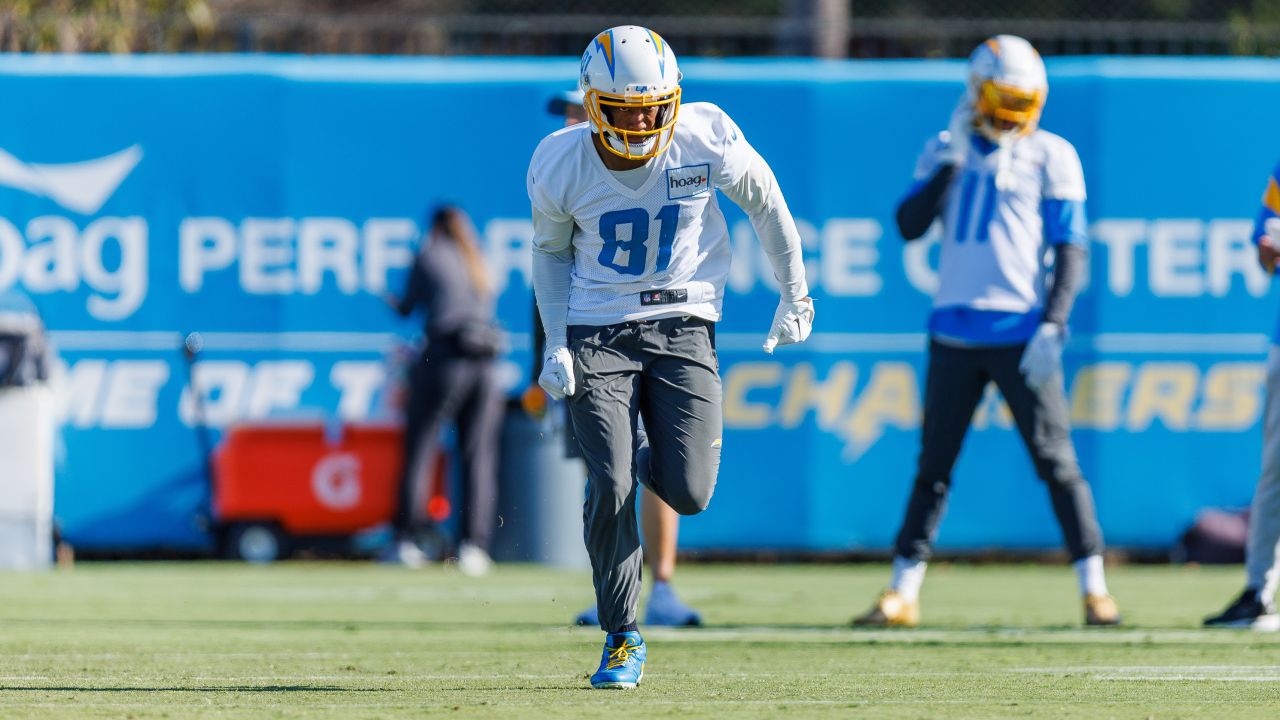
[
  {"x": 590, "y": 616},
  {"x": 664, "y": 608},
  {"x": 622, "y": 664}
]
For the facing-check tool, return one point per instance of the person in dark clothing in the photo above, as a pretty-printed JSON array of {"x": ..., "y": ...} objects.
[
  {"x": 453, "y": 380},
  {"x": 1006, "y": 192}
]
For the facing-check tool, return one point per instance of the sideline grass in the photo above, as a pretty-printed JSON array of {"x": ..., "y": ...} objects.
[{"x": 316, "y": 640}]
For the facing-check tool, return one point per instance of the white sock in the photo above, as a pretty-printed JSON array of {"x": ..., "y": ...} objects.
[
  {"x": 1093, "y": 581},
  {"x": 908, "y": 576}
]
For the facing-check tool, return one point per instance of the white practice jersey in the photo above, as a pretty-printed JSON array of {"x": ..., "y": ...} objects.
[
  {"x": 993, "y": 247},
  {"x": 630, "y": 244}
]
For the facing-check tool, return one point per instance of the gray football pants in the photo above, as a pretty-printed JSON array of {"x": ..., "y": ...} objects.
[
  {"x": 1264, "y": 516},
  {"x": 956, "y": 381},
  {"x": 666, "y": 372}
]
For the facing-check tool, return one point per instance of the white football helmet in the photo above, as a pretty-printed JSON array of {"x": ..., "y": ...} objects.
[
  {"x": 1008, "y": 85},
  {"x": 631, "y": 66}
]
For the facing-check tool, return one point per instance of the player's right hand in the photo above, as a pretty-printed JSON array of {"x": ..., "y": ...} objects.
[{"x": 557, "y": 373}]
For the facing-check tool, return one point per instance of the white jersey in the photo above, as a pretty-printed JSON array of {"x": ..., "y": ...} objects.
[
  {"x": 993, "y": 248},
  {"x": 658, "y": 250}
]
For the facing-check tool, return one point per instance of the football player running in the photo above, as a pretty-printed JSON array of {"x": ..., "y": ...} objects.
[
  {"x": 630, "y": 258},
  {"x": 1006, "y": 191},
  {"x": 1255, "y": 608},
  {"x": 660, "y": 524}
]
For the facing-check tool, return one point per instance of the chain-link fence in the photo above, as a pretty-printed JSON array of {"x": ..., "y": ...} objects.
[{"x": 834, "y": 28}]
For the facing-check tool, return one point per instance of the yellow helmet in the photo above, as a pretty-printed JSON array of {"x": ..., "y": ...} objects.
[
  {"x": 631, "y": 66},
  {"x": 1008, "y": 85}
]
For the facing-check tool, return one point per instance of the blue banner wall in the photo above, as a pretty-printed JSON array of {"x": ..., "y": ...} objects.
[{"x": 269, "y": 202}]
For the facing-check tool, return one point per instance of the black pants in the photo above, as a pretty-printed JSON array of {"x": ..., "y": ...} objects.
[
  {"x": 664, "y": 371},
  {"x": 445, "y": 386},
  {"x": 956, "y": 381}
]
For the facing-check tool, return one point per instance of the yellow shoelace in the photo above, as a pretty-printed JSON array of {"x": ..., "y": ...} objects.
[{"x": 620, "y": 655}]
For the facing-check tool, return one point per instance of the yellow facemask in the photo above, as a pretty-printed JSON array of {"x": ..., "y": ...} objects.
[
  {"x": 1005, "y": 109},
  {"x": 630, "y": 144}
]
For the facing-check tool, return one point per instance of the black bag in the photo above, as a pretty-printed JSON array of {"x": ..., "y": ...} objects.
[
  {"x": 481, "y": 340},
  {"x": 1216, "y": 537}
]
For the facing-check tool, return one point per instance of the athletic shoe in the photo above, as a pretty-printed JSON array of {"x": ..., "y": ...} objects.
[
  {"x": 1100, "y": 611},
  {"x": 664, "y": 608},
  {"x": 590, "y": 616},
  {"x": 403, "y": 552},
  {"x": 1247, "y": 612},
  {"x": 891, "y": 610},
  {"x": 622, "y": 664},
  {"x": 473, "y": 560}
]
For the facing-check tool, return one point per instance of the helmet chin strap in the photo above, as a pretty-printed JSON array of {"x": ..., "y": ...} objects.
[
  {"x": 984, "y": 125},
  {"x": 997, "y": 136},
  {"x": 636, "y": 148}
]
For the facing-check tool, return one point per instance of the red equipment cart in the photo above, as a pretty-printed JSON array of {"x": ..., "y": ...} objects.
[{"x": 279, "y": 486}]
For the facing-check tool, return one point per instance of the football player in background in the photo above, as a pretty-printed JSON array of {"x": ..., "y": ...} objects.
[
  {"x": 630, "y": 259},
  {"x": 660, "y": 524},
  {"x": 1006, "y": 191},
  {"x": 1255, "y": 608},
  {"x": 568, "y": 105}
]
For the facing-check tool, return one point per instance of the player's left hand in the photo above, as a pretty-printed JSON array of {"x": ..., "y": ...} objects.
[
  {"x": 792, "y": 323},
  {"x": 1043, "y": 357}
]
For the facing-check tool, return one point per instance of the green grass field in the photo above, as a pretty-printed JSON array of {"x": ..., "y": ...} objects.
[{"x": 320, "y": 640}]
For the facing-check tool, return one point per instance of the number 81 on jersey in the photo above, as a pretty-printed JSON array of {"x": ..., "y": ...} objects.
[{"x": 637, "y": 248}]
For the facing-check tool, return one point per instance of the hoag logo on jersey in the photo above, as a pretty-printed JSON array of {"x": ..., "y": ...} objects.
[{"x": 688, "y": 181}]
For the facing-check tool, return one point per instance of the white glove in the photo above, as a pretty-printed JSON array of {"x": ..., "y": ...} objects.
[
  {"x": 960, "y": 130},
  {"x": 1043, "y": 357},
  {"x": 557, "y": 373},
  {"x": 792, "y": 323},
  {"x": 1271, "y": 228}
]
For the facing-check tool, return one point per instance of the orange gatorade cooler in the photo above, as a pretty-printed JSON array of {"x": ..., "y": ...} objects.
[{"x": 281, "y": 484}]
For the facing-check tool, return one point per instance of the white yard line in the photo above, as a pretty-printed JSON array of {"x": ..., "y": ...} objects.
[
  {"x": 1010, "y": 634},
  {"x": 1225, "y": 669},
  {"x": 569, "y": 707},
  {"x": 1163, "y": 673},
  {"x": 1196, "y": 678}
]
